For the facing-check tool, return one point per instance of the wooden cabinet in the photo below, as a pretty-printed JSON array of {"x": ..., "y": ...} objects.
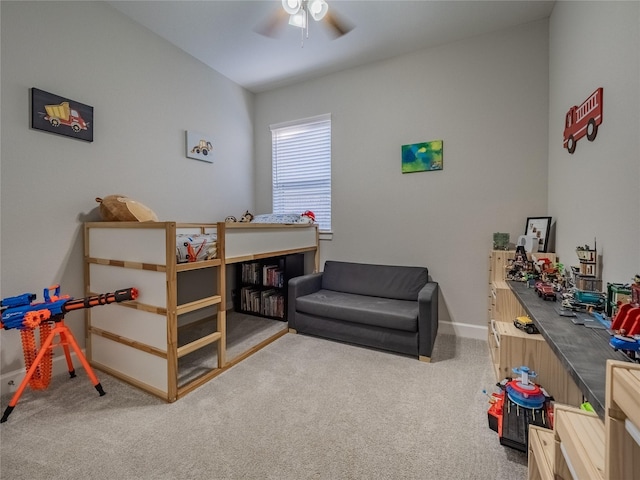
[
  {"x": 261, "y": 286},
  {"x": 503, "y": 304},
  {"x": 622, "y": 422},
  {"x": 503, "y": 309},
  {"x": 511, "y": 348},
  {"x": 541, "y": 455},
  {"x": 586, "y": 448},
  {"x": 579, "y": 444}
]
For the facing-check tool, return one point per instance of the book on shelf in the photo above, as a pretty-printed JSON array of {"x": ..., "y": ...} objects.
[
  {"x": 251, "y": 273},
  {"x": 272, "y": 276},
  {"x": 250, "y": 299},
  {"x": 272, "y": 303},
  {"x": 268, "y": 302}
]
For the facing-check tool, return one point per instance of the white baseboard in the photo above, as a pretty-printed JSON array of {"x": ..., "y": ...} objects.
[
  {"x": 10, "y": 381},
  {"x": 464, "y": 330}
]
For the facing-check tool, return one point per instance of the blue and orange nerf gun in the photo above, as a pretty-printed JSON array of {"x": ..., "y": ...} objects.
[
  {"x": 21, "y": 312},
  {"x": 25, "y": 315}
]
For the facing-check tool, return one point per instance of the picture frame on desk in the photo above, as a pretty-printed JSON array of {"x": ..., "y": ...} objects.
[{"x": 540, "y": 227}]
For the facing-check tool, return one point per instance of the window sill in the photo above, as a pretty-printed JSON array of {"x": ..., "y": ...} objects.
[{"x": 326, "y": 235}]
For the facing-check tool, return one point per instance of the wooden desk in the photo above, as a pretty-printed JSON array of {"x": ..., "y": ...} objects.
[{"x": 582, "y": 351}]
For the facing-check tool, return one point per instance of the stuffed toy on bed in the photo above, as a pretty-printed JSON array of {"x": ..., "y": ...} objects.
[
  {"x": 120, "y": 208},
  {"x": 246, "y": 218}
]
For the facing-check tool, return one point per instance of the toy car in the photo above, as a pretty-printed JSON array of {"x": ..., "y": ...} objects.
[
  {"x": 545, "y": 291},
  {"x": 526, "y": 324}
]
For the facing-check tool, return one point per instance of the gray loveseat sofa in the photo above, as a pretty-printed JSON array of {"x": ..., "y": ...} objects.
[{"x": 382, "y": 306}]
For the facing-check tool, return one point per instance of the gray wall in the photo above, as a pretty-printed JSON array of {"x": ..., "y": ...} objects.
[
  {"x": 595, "y": 193},
  {"x": 487, "y": 98},
  {"x": 145, "y": 93}
]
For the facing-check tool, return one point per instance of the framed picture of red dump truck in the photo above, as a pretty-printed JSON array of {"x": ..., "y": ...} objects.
[{"x": 56, "y": 114}]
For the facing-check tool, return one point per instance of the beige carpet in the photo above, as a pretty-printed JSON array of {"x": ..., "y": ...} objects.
[{"x": 301, "y": 408}]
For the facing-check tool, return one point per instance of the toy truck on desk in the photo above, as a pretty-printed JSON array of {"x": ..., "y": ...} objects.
[
  {"x": 63, "y": 114},
  {"x": 545, "y": 291},
  {"x": 526, "y": 324}
]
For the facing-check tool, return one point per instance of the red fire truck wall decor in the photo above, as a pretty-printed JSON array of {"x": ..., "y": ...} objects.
[{"x": 583, "y": 120}]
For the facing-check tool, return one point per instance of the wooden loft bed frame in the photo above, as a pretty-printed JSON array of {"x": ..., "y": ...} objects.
[{"x": 138, "y": 341}]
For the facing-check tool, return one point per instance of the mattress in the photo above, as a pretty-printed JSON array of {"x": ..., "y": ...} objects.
[{"x": 282, "y": 218}]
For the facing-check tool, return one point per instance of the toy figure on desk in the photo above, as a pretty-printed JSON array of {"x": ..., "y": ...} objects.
[{"x": 520, "y": 266}]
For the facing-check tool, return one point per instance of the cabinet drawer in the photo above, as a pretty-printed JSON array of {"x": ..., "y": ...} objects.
[
  {"x": 541, "y": 453},
  {"x": 516, "y": 348},
  {"x": 580, "y": 447},
  {"x": 505, "y": 306},
  {"x": 498, "y": 262},
  {"x": 623, "y": 420}
]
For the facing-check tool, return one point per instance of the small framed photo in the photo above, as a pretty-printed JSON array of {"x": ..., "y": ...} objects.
[
  {"x": 63, "y": 116},
  {"x": 540, "y": 228},
  {"x": 199, "y": 146}
]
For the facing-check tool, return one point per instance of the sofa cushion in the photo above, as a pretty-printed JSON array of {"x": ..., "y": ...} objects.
[
  {"x": 378, "y": 311},
  {"x": 388, "y": 281}
]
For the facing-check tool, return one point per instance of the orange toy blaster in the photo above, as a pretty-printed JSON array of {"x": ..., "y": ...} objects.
[{"x": 23, "y": 314}]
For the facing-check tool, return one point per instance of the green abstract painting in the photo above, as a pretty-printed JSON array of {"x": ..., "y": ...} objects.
[{"x": 422, "y": 157}]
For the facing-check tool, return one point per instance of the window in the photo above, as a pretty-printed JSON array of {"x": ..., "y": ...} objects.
[{"x": 301, "y": 155}]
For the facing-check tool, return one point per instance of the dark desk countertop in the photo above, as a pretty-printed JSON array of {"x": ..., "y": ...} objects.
[{"x": 582, "y": 350}]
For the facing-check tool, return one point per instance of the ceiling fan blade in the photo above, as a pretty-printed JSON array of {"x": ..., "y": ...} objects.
[
  {"x": 272, "y": 26},
  {"x": 338, "y": 26}
]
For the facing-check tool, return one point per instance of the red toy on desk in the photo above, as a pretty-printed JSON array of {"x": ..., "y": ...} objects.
[
  {"x": 626, "y": 325},
  {"x": 627, "y": 319}
]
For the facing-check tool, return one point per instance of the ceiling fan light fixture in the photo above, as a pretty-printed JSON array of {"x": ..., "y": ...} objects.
[
  {"x": 318, "y": 9},
  {"x": 292, "y": 7},
  {"x": 298, "y": 19}
]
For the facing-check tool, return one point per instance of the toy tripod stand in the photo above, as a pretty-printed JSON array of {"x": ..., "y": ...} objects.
[
  {"x": 22, "y": 313},
  {"x": 66, "y": 339}
]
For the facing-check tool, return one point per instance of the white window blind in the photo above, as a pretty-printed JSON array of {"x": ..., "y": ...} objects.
[{"x": 301, "y": 156}]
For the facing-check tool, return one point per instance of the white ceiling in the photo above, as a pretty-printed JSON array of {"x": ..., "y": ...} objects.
[{"x": 222, "y": 34}]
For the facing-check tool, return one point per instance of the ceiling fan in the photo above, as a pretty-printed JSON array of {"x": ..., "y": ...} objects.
[{"x": 298, "y": 13}]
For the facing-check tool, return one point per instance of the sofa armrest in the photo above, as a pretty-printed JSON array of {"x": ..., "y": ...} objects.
[
  {"x": 299, "y": 286},
  {"x": 427, "y": 318}
]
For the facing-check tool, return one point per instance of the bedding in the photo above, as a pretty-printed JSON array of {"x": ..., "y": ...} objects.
[
  {"x": 282, "y": 218},
  {"x": 196, "y": 247}
]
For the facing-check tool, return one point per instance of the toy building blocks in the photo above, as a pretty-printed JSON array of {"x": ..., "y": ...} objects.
[
  {"x": 617, "y": 295},
  {"x": 584, "y": 301},
  {"x": 519, "y": 267}
]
